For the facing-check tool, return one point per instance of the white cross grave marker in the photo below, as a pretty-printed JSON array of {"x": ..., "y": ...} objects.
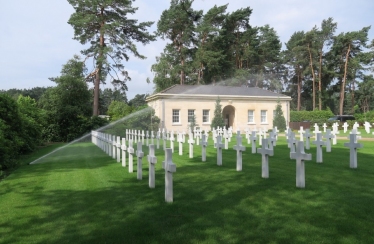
[
  {"x": 316, "y": 130},
  {"x": 172, "y": 139},
  {"x": 239, "y": 150},
  {"x": 152, "y": 160},
  {"x": 301, "y": 133},
  {"x": 328, "y": 136},
  {"x": 139, "y": 155},
  {"x": 191, "y": 142},
  {"x": 204, "y": 144},
  {"x": 118, "y": 145},
  {"x": 353, "y": 145},
  {"x": 219, "y": 147},
  {"x": 345, "y": 127},
  {"x": 124, "y": 148},
  {"x": 319, "y": 143},
  {"x": 265, "y": 152},
  {"x": 170, "y": 168},
  {"x": 130, "y": 150},
  {"x": 300, "y": 157},
  {"x": 114, "y": 146},
  {"x": 147, "y": 136},
  {"x": 158, "y": 139},
  {"x": 324, "y": 127},
  {"x": 253, "y": 140}
]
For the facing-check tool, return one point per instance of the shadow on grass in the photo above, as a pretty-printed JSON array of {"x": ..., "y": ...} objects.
[{"x": 212, "y": 204}]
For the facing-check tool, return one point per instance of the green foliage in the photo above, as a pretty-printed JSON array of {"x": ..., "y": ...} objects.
[
  {"x": 279, "y": 121},
  {"x": 311, "y": 116},
  {"x": 138, "y": 101},
  {"x": 142, "y": 119},
  {"x": 11, "y": 132},
  {"x": 218, "y": 118},
  {"x": 118, "y": 110},
  {"x": 33, "y": 122},
  {"x": 68, "y": 104},
  {"x": 111, "y": 36}
]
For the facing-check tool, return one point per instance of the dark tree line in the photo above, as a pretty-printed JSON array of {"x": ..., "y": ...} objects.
[{"x": 318, "y": 68}]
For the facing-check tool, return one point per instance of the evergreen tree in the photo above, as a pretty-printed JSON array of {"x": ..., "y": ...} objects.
[
  {"x": 110, "y": 33},
  {"x": 279, "y": 121},
  {"x": 218, "y": 118}
]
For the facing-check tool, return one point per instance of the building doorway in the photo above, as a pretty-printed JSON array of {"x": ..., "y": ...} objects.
[{"x": 228, "y": 114}]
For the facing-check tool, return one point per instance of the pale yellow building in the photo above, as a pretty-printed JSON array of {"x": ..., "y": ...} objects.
[{"x": 242, "y": 107}]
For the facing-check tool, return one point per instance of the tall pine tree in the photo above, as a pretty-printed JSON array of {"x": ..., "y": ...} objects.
[{"x": 110, "y": 34}]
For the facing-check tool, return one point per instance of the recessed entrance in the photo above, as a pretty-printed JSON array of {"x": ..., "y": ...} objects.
[{"x": 228, "y": 114}]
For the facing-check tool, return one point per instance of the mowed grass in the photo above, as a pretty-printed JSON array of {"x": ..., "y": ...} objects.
[{"x": 81, "y": 195}]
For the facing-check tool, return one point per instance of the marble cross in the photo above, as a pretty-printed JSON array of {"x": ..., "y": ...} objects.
[
  {"x": 353, "y": 145},
  {"x": 114, "y": 146},
  {"x": 292, "y": 142},
  {"x": 328, "y": 136},
  {"x": 271, "y": 140},
  {"x": 301, "y": 133},
  {"x": 275, "y": 131},
  {"x": 265, "y": 152},
  {"x": 172, "y": 139},
  {"x": 239, "y": 150},
  {"x": 147, "y": 136},
  {"x": 260, "y": 137},
  {"x": 300, "y": 157},
  {"x": 170, "y": 168},
  {"x": 197, "y": 137},
  {"x": 319, "y": 143},
  {"x": 139, "y": 155},
  {"x": 152, "y": 137},
  {"x": 324, "y": 127},
  {"x": 219, "y": 147},
  {"x": 307, "y": 138},
  {"x": 180, "y": 141},
  {"x": 143, "y": 135},
  {"x": 130, "y": 150},
  {"x": 367, "y": 126},
  {"x": 190, "y": 142},
  {"x": 124, "y": 148},
  {"x": 345, "y": 127},
  {"x": 158, "y": 139},
  {"x": 164, "y": 138},
  {"x": 316, "y": 130},
  {"x": 247, "y": 132},
  {"x": 152, "y": 160},
  {"x": 204, "y": 144},
  {"x": 335, "y": 131},
  {"x": 226, "y": 136},
  {"x": 215, "y": 134},
  {"x": 253, "y": 140},
  {"x": 118, "y": 145}
]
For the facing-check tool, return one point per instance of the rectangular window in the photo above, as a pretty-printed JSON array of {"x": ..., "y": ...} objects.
[
  {"x": 263, "y": 116},
  {"x": 176, "y": 116},
  {"x": 251, "y": 116},
  {"x": 206, "y": 116},
  {"x": 191, "y": 114}
]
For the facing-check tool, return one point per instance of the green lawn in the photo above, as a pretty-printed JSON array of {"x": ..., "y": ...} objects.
[{"x": 81, "y": 195}]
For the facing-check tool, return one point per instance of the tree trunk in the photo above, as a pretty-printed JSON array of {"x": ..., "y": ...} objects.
[
  {"x": 341, "y": 102},
  {"x": 98, "y": 73},
  {"x": 320, "y": 82},
  {"x": 313, "y": 77},
  {"x": 298, "y": 91},
  {"x": 353, "y": 96}
]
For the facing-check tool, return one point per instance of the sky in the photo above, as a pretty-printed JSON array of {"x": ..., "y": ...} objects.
[{"x": 36, "y": 39}]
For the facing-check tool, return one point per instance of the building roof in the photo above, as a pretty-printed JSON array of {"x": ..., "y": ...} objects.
[{"x": 220, "y": 91}]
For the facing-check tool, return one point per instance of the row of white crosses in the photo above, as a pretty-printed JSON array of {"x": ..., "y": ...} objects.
[
  {"x": 301, "y": 156},
  {"x": 112, "y": 146}
]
